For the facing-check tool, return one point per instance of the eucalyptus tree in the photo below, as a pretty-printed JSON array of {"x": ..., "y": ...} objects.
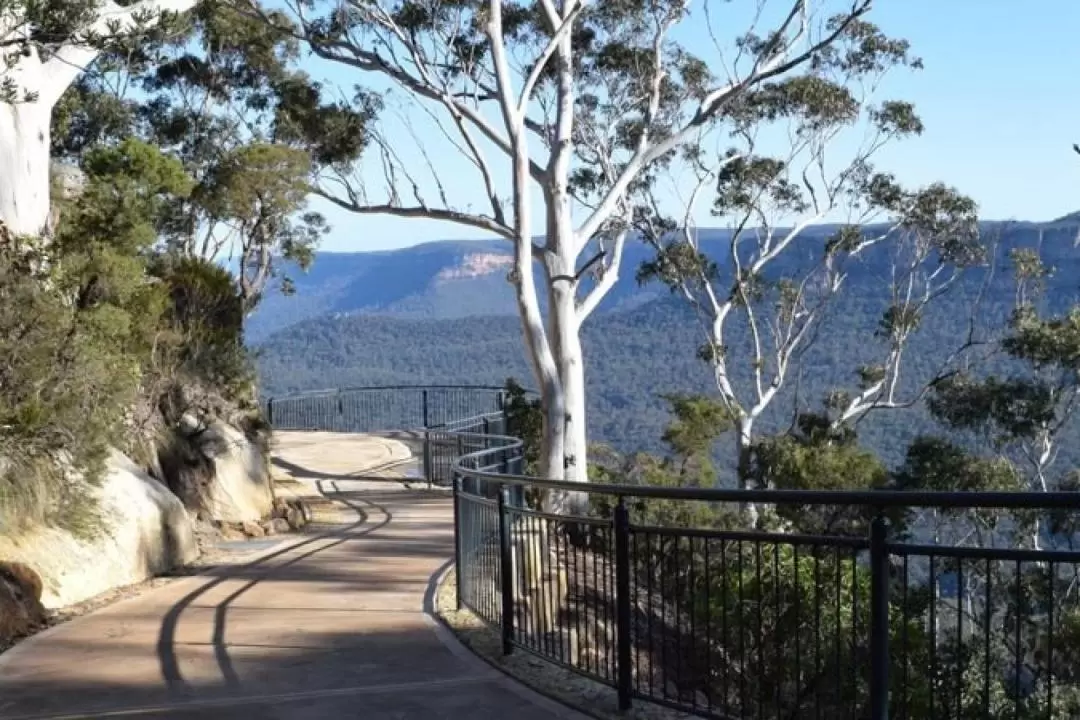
[
  {"x": 800, "y": 151},
  {"x": 1024, "y": 410},
  {"x": 45, "y": 45},
  {"x": 576, "y": 104},
  {"x": 224, "y": 94}
]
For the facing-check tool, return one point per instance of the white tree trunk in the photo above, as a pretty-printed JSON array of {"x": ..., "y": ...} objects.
[
  {"x": 25, "y": 136},
  {"x": 26, "y": 126},
  {"x": 744, "y": 441},
  {"x": 543, "y": 364},
  {"x": 566, "y": 412},
  {"x": 570, "y": 360}
]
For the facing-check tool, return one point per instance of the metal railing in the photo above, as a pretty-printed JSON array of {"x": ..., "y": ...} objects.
[
  {"x": 871, "y": 604},
  {"x": 440, "y": 416}
]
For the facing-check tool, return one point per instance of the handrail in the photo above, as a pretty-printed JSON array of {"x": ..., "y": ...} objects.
[
  {"x": 379, "y": 388},
  {"x": 751, "y": 593},
  {"x": 939, "y": 499}
]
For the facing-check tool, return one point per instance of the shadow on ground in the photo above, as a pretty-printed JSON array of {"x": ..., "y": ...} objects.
[{"x": 329, "y": 627}]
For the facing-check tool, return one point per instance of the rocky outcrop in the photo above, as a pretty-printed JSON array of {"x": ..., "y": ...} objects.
[
  {"x": 144, "y": 531},
  {"x": 288, "y": 515},
  {"x": 476, "y": 265},
  {"x": 21, "y": 611},
  {"x": 219, "y": 472}
]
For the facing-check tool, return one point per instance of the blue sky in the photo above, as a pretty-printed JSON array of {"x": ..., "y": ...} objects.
[{"x": 999, "y": 97}]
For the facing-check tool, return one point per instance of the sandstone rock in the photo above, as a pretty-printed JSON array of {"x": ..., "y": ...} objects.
[
  {"x": 232, "y": 533},
  {"x": 280, "y": 525},
  {"x": 252, "y": 529},
  {"x": 281, "y": 507},
  {"x": 219, "y": 472},
  {"x": 21, "y": 611},
  {"x": 296, "y": 519},
  {"x": 146, "y": 531}
]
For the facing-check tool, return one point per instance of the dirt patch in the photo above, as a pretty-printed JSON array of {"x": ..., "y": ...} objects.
[{"x": 582, "y": 693}]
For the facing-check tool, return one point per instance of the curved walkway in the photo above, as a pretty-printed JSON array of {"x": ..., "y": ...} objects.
[{"x": 332, "y": 624}]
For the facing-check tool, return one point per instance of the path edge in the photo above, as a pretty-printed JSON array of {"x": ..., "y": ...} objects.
[
  {"x": 446, "y": 635},
  {"x": 287, "y": 542}
]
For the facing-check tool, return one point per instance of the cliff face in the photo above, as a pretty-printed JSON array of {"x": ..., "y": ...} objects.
[{"x": 475, "y": 265}]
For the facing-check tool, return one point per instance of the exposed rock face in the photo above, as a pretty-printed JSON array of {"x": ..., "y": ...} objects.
[
  {"x": 476, "y": 265},
  {"x": 146, "y": 531},
  {"x": 219, "y": 472},
  {"x": 21, "y": 611}
]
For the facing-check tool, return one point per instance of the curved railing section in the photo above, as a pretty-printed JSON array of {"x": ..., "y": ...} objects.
[{"x": 872, "y": 604}]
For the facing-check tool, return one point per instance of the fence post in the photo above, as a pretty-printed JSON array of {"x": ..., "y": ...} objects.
[
  {"x": 623, "y": 630},
  {"x": 270, "y": 412},
  {"x": 457, "y": 540},
  {"x": 457, "y": 458},
  {"x": 506, "y": 569},
  {"x": 428, "y": 469},
  {"x": 879, "y": 619}
]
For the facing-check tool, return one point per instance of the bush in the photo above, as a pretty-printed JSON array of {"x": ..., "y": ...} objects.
[
  {"x": 105, "y": 342},
  {"x": 204, "y": 367},
  {"x": 69, "y": 377}
]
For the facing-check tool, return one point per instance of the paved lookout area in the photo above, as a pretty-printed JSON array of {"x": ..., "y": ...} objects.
[{"x": 331, "y": 624}]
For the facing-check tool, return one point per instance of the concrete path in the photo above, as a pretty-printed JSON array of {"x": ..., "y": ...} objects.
[{"x": 332, "y": 624}]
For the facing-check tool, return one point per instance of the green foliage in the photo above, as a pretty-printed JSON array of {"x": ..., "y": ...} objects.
[
  {"x": 815, "y": 455},
  {"x": 767, "y": 599},
  {"x": 221, "y": 93},
  {"x": 99, "y": 329},
  {"x": 689, "y": 439},
  {"x": 78, "y": 333},
  {"x": 205, "y": 322},
  {"x": 525, "y": 420},
  {"x": 934, "y": 463},
  {"x": 696, "y": 423}
]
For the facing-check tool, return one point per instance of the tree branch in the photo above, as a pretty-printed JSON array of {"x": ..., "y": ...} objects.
[
  {"x": 481, "y": 222},
  {"x": 609, "y": 276},
  {"x": 69, "y": 61},
  {"x": 541, "y": 62},
  {"x": 709, "y": 108}
]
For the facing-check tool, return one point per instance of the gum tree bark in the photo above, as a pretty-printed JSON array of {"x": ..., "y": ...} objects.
[{"x": 35, "y": 77}]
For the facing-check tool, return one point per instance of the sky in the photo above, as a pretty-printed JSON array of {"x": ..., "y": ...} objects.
[{"x": 998, "y": 96}]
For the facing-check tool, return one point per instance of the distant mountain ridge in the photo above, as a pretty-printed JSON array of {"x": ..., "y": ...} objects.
[
  {"x": 468, "y": 278},
  {"x": 646, "y": 343}
]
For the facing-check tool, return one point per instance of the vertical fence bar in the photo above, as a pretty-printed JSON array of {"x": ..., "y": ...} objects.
[
  {"x": 457, "y": 457},
  {"x": 270, "y": 412},
  {"x": 424, "y": 411},
  {"x": 457, "y": 540},
  {"x": 506, "y": 569},
  {"x": 622, "y": 604},
  {"x": 879, "y": 619}
]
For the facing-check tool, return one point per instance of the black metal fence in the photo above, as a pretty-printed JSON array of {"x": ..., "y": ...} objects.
[
  {"x": 829, "y": 605},
  {"x": 440, "y": 417},
  {"x": 378, "y": 409}
]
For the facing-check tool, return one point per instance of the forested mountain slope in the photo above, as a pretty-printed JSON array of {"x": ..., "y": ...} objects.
[{"x": 635, "y": 356}]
